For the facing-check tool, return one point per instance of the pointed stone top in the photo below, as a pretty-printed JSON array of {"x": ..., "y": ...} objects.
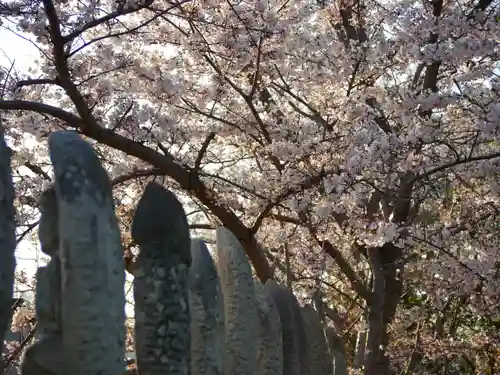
[
  {"x": 204, "y": 280},
  {"x": 69, "y": 145},
  {"x": 77, "y": 168},
  {"x": 200, "y": 252},
  {"x": 226, "y": 237},
  {"x": 159, "y": 217}
]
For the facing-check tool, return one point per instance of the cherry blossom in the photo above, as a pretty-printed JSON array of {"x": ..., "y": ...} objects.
[{"x": 347, "y": 144}]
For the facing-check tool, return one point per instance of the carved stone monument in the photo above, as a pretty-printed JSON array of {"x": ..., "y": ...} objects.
[
  {"x": 193, "y": 314},
  {"x": 44, "y": 356}
]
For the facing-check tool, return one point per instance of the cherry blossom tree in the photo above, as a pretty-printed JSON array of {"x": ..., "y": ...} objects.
[{"x": 351, "y": 145}]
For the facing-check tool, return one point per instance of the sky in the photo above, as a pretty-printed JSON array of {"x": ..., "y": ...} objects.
[{"x": 15, "y": 48}]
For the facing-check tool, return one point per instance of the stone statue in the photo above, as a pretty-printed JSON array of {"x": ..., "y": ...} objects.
[
  {"x": 193, "y": 315},
  {"x": 44, "y": 356}
]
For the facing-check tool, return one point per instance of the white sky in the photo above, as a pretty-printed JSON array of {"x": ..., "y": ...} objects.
[{"x": 15, "y": 48}]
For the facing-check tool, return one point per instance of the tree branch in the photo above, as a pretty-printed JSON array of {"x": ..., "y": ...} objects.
[
  {"x": 443, "y": 167},
  {"x": 71, "y": 119},
  {"x": 39, "y": 81},
  {"x": 351, "y": 275},
  {"x": 168, "y": 166},
  {"x": 306, "y": 184},
  {"x": 121, "y": 11},
  {"x": 136, "y": 174},
  {"x": 61, "y": 65},
  {"x": 203, "y": 150}
]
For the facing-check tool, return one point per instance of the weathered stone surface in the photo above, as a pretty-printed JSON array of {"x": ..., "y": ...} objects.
[
  {"x": 190, "y": 317},
  {"x": 207, "y": 313},
  {"x": 269, "y": 349},
  {"x": 162, "y": 318},
  {"x": 48, "y": 296},
  {"x": 318, "y": 360},
  {"x": 48, "y": 226},
  {"x": 281, "y": 297},
  {"x": 7, "y": 238},
  {"x": 240, "y": 305},
  {"x": 48, "y": 299},
  {"x": 92, "y": 273},
  {"x": 300, "y": 331},
  {"x": 44, "y": 355},
  {"x": 31, "y": 366}
]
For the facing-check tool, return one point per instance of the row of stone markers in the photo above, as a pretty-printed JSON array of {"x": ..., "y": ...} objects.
[{"x": 191, "y": 315}]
